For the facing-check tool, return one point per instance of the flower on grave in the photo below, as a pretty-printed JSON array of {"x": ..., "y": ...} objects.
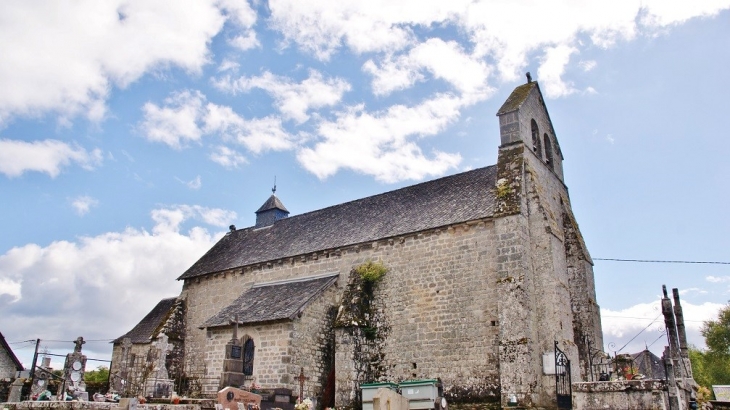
[{"x": 306, "y": 404}]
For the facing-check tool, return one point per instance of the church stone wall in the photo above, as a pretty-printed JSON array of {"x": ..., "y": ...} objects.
[{"x": 439, "y": 300}]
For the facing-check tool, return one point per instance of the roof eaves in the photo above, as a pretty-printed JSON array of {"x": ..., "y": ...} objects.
[{"x": 13, "y": 357}]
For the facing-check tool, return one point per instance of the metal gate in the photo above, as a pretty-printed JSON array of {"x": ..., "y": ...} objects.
[{"x": 563, "y": 388}]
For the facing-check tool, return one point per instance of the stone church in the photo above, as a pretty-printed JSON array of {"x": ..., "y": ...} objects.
[{"x": 477, "y": 275}]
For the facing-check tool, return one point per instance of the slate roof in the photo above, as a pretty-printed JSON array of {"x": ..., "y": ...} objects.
[
  {"x": 453, "y": 199},
  {"x": 657, "y": 370},
  {"x": 272, "y": 301},
  {"x": 272, "y": 203},
  {"x": 4, "y": 344},
  {"x": 518, "y": 96},
  {"x": 147, "y": 328}
]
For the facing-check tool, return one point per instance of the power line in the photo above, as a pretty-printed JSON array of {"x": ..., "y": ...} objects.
[
  {"x": 661, "y": 261},
  {"x": 646, "y": 318}
]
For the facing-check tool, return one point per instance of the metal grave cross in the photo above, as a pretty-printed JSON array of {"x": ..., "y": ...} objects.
[{"x": 301, "y": 380}]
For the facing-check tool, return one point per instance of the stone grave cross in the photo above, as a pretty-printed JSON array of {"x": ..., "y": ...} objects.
[
  {"x": 78, "y": 342},
  {"x": 301, "y": 380}
]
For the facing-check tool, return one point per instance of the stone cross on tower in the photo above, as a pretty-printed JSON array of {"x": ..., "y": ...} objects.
[
  {"x": 164, "y": 347},
  {"x": 301, "y": 380},
  {"x": 78, "y": 342}
]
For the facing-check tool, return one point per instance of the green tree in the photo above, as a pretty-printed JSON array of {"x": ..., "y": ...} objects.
[
  {"x": 100, "y": 375},
  {"x": 712, "y": 366}
]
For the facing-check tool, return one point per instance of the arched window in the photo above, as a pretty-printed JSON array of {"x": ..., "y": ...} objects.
[
  {"x": 548, "y": 151},
  {"x": 536, "y": 139},
  {"x": 248, "y": 354}
]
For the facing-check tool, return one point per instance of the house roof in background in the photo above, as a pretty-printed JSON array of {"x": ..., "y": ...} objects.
[{"x": 13, "y": 357}]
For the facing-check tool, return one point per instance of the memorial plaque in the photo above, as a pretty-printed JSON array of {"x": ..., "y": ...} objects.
[{"x": 235, "y": 352}]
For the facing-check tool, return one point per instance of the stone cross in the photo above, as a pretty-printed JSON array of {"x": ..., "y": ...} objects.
[
  {"x": 301, "y": 380},
  {"x": 164, "y": 347},
  {"x": 234, "y": 322},
  {"x": 78, "y": 342}
]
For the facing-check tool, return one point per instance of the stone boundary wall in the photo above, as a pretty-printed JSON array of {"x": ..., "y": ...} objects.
[
  {"x": 621, "y": 395},
  {"x": 93, "y": 405}
]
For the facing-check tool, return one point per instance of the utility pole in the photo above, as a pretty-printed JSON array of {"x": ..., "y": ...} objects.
[{"x": 35, "y": 359}]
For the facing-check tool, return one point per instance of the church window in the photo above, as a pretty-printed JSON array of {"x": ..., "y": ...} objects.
[
  {"x": 548, "y": 151},
  {"x": 536, "y": 138},
  {"x": 248, "y": 355}
]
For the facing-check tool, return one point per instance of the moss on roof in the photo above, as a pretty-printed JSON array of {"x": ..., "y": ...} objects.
[{"x": 518, "y": 96}]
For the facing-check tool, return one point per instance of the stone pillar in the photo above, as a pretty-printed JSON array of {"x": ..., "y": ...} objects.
[{"x": 233, "y": 362}]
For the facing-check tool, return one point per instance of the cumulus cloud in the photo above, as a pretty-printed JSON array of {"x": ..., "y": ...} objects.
[
  {"x": 66, "y": 59},
  {"x": 119, "y": 276},
  {"x": 382, "y": 143},
  {"x": 48, "y": 156},
  {"x": 83, "y": 204},
  {"x": 227, "y": 157},
  {"x": 551, "y": 71},
  {"x": 293, "y": 99},
  {"x": 444, "y": 60},
  {"x": 645, "y": 324},
  {"x": 502, "y": 33},
  {"x": 187, "y": 116},
  {"x": 177, "y": 121}
]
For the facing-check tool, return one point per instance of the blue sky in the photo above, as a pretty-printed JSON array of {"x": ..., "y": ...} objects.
[{"x": 132, "y": 133}]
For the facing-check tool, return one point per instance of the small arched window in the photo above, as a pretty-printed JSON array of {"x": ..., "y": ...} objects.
[
  {"x": 536, "y": 139},
  {"x": 548, "y": 151},
  {"x": 248, "y": 354}
]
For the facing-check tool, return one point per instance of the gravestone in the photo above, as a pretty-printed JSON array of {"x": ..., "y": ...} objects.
[
  {"x": 230, "y": 397},
  {"x": 73, "y": 373},
  {"x": 159, "y": 383},
  {"x": 233, "y": 362},
  {"x": 280, "y": 398},
  {"x": 16, "y": 389}
]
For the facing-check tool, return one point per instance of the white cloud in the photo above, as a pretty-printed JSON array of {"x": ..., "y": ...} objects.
[
  {"x": 504, "y": 33},
  {"x": 49, "y": 156},
  {"x": 66, "y": 58},
  {"x": 119, "y": 276},
  {"x": 381, "y": 143},
  {"x": 646, "y": 321},
  {"x": 227, "y": 157},
  {"x": 443, "y": 60},
  {"x": 187, "y": 117},
  {"x": 176, "y": 122},
  {"x": 195, "y": 183},
  {"x": 587, "y": 65},
  {"x": 258, "y": 135},
  {"x": 11, "y": 288},
  {"x": 245, "y": 41},
  {"x": 717, "y": 279},
  {"x": 293, "y": 99},
  {"x": 83, "y": 204},
  {"x": 551, "y": 71}
]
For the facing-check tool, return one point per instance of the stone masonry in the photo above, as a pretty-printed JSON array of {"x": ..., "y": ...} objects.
[{"x": 476, "y": 301}]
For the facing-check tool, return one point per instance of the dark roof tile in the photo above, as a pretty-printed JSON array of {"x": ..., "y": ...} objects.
[
  {"x": 146, "y": 329},
  {"x": 267, "y": 302},
  {"x": 272, "y": 203},
  {"x": 441, "y": 202}
]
